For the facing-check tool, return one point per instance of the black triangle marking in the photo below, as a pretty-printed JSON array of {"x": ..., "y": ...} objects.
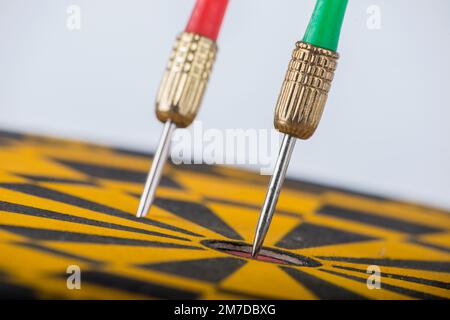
[
  {"x": 12, "y": 291},
  {"x": 199, "y": 214},
  {"x": 209, "y": 270},
  {"x": 118, "y": 174},
  {"x": 149, "y": 288},
  {"x": 377, "y": 220},
  {"x": 307, "y": 235}
]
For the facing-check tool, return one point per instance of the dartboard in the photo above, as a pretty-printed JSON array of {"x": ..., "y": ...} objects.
[{"x": 66, "y": 204}]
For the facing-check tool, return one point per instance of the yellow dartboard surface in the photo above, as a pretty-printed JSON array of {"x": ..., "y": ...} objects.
[{"x": 66, "y": 205}]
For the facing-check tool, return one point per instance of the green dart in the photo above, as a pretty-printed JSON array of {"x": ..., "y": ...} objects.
[{"x": 303, "y": 96}]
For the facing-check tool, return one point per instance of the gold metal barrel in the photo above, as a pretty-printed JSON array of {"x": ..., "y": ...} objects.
[
  {"x": 305, "y": 90},
  {"x": 184, "y": 81}
]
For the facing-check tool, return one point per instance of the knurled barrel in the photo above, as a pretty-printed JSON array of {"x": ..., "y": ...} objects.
[
  {"x": 185, "y": 78},
  {"x": 305, "y": 90}
]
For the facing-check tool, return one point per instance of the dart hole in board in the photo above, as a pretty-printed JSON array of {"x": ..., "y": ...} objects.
[{"x": 270, "y": 255}]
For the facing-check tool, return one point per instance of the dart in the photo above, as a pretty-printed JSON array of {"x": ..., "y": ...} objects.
[
  {"x": 183, "y": 84},
  {"x": 303, "y": 96}
]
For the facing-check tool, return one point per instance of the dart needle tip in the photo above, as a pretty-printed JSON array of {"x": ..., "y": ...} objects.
[
  {"x": 141, "y": 212},
  {"x": 273, "y": 191},
  {"x": 156, "y": 170},
  {"x": 255, "y": 250}
]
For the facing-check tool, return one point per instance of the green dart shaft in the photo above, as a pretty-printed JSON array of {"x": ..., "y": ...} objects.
[{"x": 325, "y": 25}]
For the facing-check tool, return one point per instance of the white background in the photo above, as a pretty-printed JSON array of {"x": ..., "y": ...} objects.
[{"x": 385, "y": 128}]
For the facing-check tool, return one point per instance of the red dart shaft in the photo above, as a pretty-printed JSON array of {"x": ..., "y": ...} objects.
[{"x": 207, "y": 17}]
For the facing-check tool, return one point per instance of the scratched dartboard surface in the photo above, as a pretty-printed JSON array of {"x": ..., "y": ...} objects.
[{"x": 65, "y": 203}]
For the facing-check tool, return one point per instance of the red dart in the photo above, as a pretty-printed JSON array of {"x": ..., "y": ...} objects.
[{"x": 183, "y": 84}]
